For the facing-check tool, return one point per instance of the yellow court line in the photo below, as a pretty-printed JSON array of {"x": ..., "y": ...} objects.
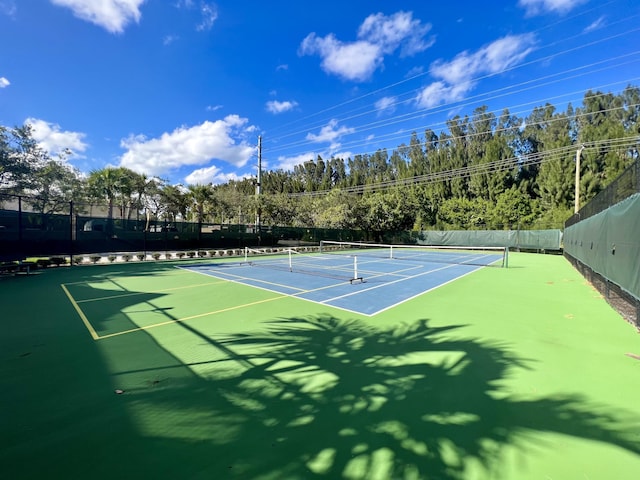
[
  {"x": 95, "y": 336},
  {"x": 215, "y": 312},
  {"x": 179, "y": 320},
  {"x": 110, "y": 297},
  {"x": 86, "y": 322}
]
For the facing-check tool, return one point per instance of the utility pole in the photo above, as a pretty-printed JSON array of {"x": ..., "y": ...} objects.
[
  {"x": 258, "y": 184},
  {"x": 577, "y": 197}
]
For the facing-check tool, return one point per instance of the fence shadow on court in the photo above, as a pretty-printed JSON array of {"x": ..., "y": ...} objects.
[{"x": 321, "y": 397}]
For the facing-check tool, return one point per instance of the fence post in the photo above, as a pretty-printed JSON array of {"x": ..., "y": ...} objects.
[
  {"x": 71, "y": 232},
  {"x": 20, "y": 219}
]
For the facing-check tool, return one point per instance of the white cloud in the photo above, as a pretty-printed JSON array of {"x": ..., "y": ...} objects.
[
  {"x": 112, "y": 15},
  {"x": 209, "y": 13},
  {"x": 212, "y": 174},
  {"x": 415, "y": 71},
  {"x": 539, "y": 7},
  {"x": 399, "y": 30},
  {"x": 169, "y": 39},
  {"x": 283, "y": 66},
  {"x": 379, "y": 35},
  {"x": 493, "y": 58},
  {"x": 8, "y": 8},
  {"x": 213, "y": 108},
  {"x": 595, "y": 25},
  {"x": 53, "y": 140},
  {"x": 224, "y": 140},
  {"x": 352, "y": 61},
  {"x": 288, "y": 163},
  {"x": 330, "y": 133},
  {"x": 276, "y": 107},
  {"x": 458, "y": 76},
  {"x": 438, "y": 93},
  {"x": 4, "y": 83},
  {"x": 386, "y": 104}
]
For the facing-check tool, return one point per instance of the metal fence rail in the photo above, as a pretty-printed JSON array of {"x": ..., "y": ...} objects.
[{"x": 627, "y": 183}]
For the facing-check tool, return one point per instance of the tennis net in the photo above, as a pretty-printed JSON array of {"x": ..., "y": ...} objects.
[
  {"x": 483, "y": 256},
  {"x": 339, "y": 268}
]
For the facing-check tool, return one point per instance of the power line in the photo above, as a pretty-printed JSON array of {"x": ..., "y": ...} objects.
[
  {"x": 372, "y": 126},
  {"x": 511, "y": 163}
]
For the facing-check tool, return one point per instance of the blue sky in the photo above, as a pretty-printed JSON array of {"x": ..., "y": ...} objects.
[{"x": 182, "y": 89}]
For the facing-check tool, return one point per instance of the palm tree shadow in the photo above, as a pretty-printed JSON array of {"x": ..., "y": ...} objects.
[
  {"x": 342, "y": 398},
  {"x": 321, "y": 397}
]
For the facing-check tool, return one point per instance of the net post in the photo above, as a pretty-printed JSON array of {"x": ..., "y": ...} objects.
[
  {"x": 290, "y": 261},
  {"x": 356, "y": 278},
  {"x": 246, "y": 255},
  {"x": 391, "y": 251},
  {"x": 505, "y": 259},
  {"x": 355, "y": 266}
]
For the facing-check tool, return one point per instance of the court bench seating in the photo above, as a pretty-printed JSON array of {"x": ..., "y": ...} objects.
[{"x": 13, "y": 264}]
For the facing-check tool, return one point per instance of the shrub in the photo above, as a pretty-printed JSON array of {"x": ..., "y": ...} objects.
[
  {"x": 112, "y": 258},
  {"x": 57, "y": 261},
  {"x": 167, "y": 256},
  {"x": 78, "y": 259},
  {"x": 180, "y": 254},
  {"x": 140, "y": 256},
  {"x": 155, "y": 256},
  {"x": 95, "y": 258},
  {"x": 126, "y": 257},
  {"x": 191, "y": 254},
  {"x": 202, "y": 253},
  {"x": 43, "y": 262}
]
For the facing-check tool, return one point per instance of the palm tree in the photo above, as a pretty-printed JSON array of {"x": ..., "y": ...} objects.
[
  {"x": 200, "y": 197},
  {"x": 173, "y": 201},
  {"x": 143, "y": 187},
  {"x": 105, "y": 184}
]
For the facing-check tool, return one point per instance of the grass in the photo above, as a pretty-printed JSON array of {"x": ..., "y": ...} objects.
[{"x": 519, "y": 373}]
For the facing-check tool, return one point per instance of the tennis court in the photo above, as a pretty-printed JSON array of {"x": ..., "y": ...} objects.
[
  {"x": 359, "y": 278},
  {"x": 376, "y": 368}
]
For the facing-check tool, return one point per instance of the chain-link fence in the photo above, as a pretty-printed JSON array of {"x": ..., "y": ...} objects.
[
  {"x": 602, "y": 242},
  {"x": 27, "y": 228},
  {"x": 622, "y": 187}
]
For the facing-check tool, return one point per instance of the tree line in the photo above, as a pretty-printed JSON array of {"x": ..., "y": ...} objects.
[{"x": 483, "y": 171}]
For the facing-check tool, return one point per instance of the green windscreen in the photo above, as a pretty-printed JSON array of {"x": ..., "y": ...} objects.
[
  {"x": 526, "y": 239},
  {"x": 609, "y": 243}
]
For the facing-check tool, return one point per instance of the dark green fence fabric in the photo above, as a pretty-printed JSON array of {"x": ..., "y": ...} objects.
[
  {"x": 609, "y": 243},
  {"x": 519, "y": 239},
  {"x": 625, "y": 185},
  {"x": 81, "y": 229}
]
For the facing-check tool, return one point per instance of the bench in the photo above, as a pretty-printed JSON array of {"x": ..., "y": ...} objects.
[
  {"x": 9, "y": 268},
  {"x": 13, "y": 264}
]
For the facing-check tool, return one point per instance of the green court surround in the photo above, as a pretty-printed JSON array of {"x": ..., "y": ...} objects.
[{"x": 519, "y": 373}]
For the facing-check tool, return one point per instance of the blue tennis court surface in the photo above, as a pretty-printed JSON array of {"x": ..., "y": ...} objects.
[{"x": 357, "y": 283}]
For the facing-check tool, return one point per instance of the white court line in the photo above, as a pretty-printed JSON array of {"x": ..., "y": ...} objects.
[
  {"x": 426, "y": 291},
  {"x": 385, "y": 284},
  {"x": 280, "y": 294},
  {"x": 242, "y": 280}
]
